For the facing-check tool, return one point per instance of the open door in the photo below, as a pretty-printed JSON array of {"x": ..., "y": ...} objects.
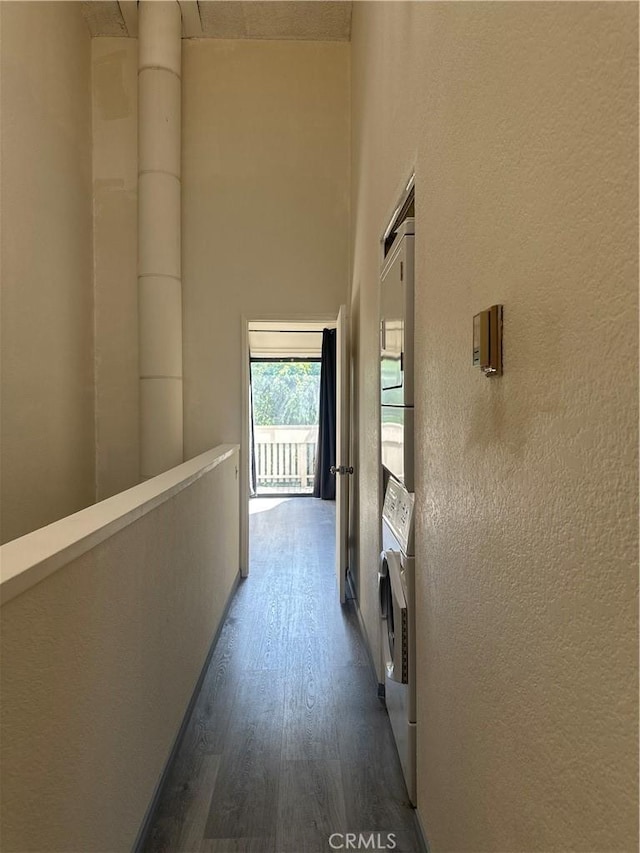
[{"x": 342, "y": 470}]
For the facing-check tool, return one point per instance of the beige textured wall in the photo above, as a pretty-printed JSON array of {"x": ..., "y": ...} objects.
[
  {"x": 47, "y": 306},
  {"x": 115, "y": 176},
  {"x": 265, "y": 206},
  {"x": 521, "y": 120},
  {"x": 99, "y": 662}
]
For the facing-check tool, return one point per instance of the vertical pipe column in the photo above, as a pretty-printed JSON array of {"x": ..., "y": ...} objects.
[{"x": 159, "y": 273}]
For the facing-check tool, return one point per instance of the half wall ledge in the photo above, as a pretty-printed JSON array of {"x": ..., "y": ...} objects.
[{"x": 29, "y": 559}]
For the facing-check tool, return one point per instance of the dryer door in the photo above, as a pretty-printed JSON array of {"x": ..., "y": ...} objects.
[{"x": 393, "y": 614}]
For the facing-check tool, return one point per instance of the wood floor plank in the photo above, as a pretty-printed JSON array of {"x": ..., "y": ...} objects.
[
  {"x": 193, "y": 824},
  {"x": 345, "y": 641},
  {"x": 246, "y": 793},
  {"x": 310, "y": 722},
  {"x": 237, "y": 845},
  {"x": 208, "y": 727},
  {"x": 269, "y": 641},
  {"x": 185, "y": 807},
  {"x": 355, "y": 689},
  {"x": 310, "y": 806},
  {"x": 375, "y": 797},
  {"x": 365, "y": 734}
]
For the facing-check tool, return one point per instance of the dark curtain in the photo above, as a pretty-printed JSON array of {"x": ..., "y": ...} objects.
[
  {"x": 253, "y": 481},
  {"x": 324, "y": 485}
]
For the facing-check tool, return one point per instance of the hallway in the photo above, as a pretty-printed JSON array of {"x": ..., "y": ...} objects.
[{"x": 288, "y": 742}]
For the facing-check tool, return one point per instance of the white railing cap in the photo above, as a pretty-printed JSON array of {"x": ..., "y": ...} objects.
[{"x": 29, "y": 559}]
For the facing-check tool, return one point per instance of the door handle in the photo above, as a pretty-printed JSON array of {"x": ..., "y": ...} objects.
[{"x": 341, "y": 469}]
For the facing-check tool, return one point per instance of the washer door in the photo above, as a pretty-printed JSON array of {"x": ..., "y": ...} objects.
[{"x": 393, "y": 615}]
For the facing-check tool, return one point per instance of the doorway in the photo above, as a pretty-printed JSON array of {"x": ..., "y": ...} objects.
[
  {"x": 285, "y": 397},
  {"x": 282, "y": 368}
]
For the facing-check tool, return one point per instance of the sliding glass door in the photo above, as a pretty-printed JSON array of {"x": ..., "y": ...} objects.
[{"x": 285, "y": 396}]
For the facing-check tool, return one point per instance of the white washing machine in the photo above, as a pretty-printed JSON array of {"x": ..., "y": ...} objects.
[{"x": 396, "y": 588}]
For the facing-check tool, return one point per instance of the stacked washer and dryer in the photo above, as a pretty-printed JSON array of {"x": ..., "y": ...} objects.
[{"x": 396, "y": 575}]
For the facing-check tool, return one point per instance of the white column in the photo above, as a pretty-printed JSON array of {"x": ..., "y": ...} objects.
[{"x": 159, "y": 281}]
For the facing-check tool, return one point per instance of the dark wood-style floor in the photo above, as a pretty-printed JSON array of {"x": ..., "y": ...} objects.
[{"x": 288, "y": 742}]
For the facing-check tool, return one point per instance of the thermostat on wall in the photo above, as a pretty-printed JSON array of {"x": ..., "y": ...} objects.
[{"x": 487, "y": 341}]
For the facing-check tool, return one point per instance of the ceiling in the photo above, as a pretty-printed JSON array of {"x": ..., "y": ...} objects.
[{"x": 306, "y": 20}]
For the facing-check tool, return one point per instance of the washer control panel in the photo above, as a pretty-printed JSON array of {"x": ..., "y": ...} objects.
[{"x": 398, "y": 513}]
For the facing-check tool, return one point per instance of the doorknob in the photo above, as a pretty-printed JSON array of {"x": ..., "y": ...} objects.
[{"x": 341, "y": 469}]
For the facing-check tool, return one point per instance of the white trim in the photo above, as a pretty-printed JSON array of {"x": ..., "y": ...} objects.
[
  {"x": 26, "y": 561},
  {"x": 402, "y": 195},
  {"x": 243, "y": 489},
  {"x": 329, "y": 319}
]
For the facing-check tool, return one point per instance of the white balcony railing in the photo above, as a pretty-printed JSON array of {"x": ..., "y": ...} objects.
[{"x": 285, "y": 459}]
